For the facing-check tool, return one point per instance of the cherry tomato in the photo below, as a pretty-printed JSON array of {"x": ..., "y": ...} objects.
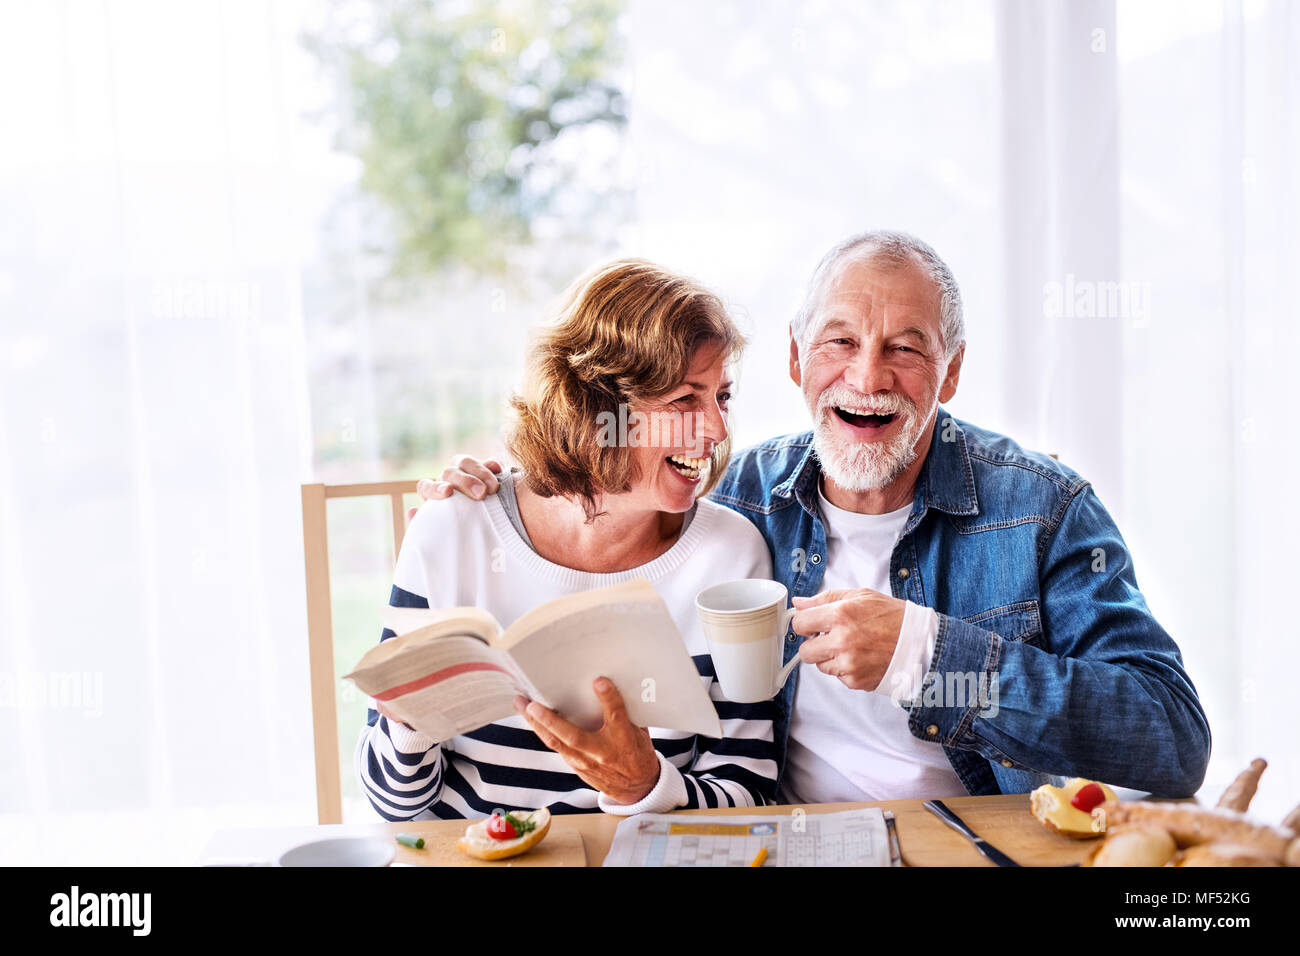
[
  {"x": 499, "y": 828},
  {"x": 1087, "y": 798}
]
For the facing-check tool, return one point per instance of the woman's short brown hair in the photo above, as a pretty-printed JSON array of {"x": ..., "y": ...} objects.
[{"x": 625, "y": 332}]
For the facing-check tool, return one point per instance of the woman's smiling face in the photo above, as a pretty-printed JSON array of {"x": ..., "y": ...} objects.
[
  {"x": 627, "y": 392},
  {"x": 672, "y": 436}
]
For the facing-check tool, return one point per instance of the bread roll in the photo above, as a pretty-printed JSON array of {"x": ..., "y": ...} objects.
[
  {"x": 1223, "y": 854},
  {"x": 1134, "y": 846},
  {"x": 1242, "y": 790},
  {"x": 1191, "y": 825}
]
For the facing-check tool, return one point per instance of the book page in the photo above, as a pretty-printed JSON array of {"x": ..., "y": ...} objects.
[
  {"x": 624, "y": 633},
  {"x": 542, "y": 616},
  {"x": 438, "y": 621},
  {"x": 442, "y": 685},
  {"x": 844, "y": 838}
]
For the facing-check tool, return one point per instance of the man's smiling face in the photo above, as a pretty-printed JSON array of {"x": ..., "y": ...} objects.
[{"x": 873, "y": 371}]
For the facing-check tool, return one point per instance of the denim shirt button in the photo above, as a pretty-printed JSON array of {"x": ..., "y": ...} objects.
[
  {"x": 816, "y": 559},
  {"x": 932, "y": 729},
  {"x": 902, "y": 572},
  {"x": 1007, "y": 763}
]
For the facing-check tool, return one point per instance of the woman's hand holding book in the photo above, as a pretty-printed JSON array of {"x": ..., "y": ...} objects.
[{"x": 619, "y": 759}]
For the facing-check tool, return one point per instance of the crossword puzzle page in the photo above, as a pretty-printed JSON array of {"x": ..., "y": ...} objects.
[{"x": 846, "y": 838}]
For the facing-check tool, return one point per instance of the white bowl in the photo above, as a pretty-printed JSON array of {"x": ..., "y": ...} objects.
[{"x": 341, "y": 851}]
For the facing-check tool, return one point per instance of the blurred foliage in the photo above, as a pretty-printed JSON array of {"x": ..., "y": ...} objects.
[{"x": 452, "y": 107}]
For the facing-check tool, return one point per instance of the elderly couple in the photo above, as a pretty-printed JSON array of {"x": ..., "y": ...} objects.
[{"x": 924, "y": 555}]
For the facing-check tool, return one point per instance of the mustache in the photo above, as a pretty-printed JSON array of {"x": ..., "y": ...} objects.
[{"x": 882, "y": 403}]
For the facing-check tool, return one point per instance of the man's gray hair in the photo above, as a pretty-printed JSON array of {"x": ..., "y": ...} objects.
[{"x": 898, "y": 248}]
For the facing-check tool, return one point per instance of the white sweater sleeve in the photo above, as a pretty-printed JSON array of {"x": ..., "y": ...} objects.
[{"x": 669, "y": 793}]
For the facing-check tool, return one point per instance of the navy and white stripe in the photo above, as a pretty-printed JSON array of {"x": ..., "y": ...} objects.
[{"x": 505, "y": 765}]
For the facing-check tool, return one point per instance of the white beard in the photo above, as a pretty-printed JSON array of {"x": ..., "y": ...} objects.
[{"x": 865, "y": 466}]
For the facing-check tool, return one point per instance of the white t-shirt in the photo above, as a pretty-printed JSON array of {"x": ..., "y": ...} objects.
[{"x": 852, "y": 745}]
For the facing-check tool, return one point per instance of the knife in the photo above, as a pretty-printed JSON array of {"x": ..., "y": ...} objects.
[{"x": 947, "y": 816}]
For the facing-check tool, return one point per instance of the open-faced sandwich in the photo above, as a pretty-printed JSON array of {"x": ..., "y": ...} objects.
[
  {"x": 1068, "y": 810},
  {"x": 505, "y": 834}
]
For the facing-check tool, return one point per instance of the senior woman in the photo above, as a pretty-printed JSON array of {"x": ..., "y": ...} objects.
[{"x": 586, "y": 512}]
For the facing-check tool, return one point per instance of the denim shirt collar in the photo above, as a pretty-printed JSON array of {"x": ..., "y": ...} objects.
[{"x": 946, "y": 482}]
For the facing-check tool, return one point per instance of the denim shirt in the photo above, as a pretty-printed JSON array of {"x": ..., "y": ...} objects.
[{"x": 1047, "y": 662}]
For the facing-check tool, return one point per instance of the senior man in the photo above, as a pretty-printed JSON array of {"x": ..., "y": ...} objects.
[{"x": 968, "y": 619}]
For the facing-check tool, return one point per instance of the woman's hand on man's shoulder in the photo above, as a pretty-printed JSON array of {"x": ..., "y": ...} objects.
[{"x": 466, "y": 474}]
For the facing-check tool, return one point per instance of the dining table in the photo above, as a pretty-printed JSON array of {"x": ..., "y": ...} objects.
[{"x": 583, "y": 839}]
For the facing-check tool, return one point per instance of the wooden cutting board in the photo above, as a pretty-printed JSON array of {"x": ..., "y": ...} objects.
[{"x": 562, "y": 847}]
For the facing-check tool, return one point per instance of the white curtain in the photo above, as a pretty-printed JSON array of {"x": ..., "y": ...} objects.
[
  {"x": 1211, "y": 201},
  {"x": 1059, "y": 190},
  {"x": 153, "y": 431},
  {"x": 1151, "y": 191}
]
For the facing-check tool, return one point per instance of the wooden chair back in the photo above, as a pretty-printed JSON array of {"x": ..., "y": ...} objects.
[{"x": 320, "y": 626}]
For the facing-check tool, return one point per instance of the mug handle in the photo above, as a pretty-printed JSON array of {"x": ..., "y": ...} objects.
[{"x": 788, "y": 669}]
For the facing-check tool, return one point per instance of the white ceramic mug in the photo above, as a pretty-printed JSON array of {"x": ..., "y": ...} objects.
[{"x": 745, "y": 623}]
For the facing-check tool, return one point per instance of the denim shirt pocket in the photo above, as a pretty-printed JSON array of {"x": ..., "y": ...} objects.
[{"x": 1018, "y": 622}]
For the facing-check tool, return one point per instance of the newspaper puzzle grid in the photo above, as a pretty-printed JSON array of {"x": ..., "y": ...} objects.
[{"x": 845, "y": 838}]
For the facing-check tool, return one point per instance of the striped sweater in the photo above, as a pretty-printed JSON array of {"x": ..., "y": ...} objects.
[{"x": 461, "y": 552}]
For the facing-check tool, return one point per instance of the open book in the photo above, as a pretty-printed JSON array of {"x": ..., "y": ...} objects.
[{"x": 452, "y": 670}]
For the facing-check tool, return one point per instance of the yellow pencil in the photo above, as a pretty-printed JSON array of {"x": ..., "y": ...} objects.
[{"x": 760, "y": 856}]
